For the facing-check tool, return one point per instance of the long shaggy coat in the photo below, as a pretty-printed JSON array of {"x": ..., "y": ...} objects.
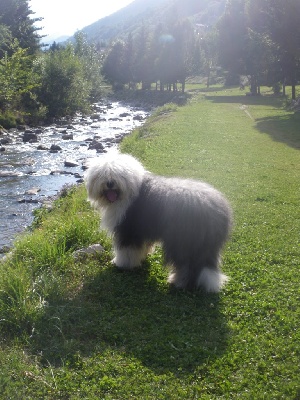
[{"x": 190, "y": 219}]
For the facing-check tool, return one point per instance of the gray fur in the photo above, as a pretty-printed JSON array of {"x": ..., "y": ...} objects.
[{"x": 191, "y": 220}]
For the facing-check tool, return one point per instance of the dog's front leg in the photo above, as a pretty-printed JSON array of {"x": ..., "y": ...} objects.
[{"x": 129, "y": 257}]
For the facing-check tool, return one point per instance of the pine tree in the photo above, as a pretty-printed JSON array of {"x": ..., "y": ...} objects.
[
  {"x": 16, "y": 16},
  {"x": 285, "y": 32}
]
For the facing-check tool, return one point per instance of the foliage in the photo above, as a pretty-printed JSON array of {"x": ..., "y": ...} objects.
[
  {"x": 8, "y": 119},
  {"x": 254, "y": 35},
  {"x": 285, "y": 32},
  {"x": 257, "y": 39},
  {"x": 52, "y": 84},
  {"x": 36, "y": 85},
  {"x": 79, "y": 329},
  {"x": 153, "y": 56},
  {"x": 17, "y": 78},
  {"x": 91, "y": 61},
  {"x": 16, "y": 17},
  {"x": 63, "y": 89}
]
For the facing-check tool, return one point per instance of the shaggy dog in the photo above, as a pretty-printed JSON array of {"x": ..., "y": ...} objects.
[{"x": 189, "y": 218}]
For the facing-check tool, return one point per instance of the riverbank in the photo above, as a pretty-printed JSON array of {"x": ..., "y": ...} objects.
[
  {"x": 35, "y": 162},
  {"x": 149, "y": 99},
  {"x": 81, "y": 329}
]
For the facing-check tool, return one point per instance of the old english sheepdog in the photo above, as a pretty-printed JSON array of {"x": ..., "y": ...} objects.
[{"x": 190, "y": 219}]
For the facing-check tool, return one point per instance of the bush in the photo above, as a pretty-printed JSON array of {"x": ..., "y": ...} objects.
[
  {"x": 8, "y": 120},
  {"x": 63, "y": 90}
]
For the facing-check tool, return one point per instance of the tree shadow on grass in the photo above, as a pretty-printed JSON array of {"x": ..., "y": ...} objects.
[
  {"x": 283, "y": 129},
  {"x": 204, "y": 90},
  {"x": 137, "y": 315}
]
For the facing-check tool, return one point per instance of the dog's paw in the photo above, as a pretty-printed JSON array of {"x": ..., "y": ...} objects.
[
  {"x": 121, "y": 265},
  {"x": 174, "y": 280}
]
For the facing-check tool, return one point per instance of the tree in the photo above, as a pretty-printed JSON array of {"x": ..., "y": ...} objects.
[
  {"x": 142, "y": 63},
  {"x": 175, "y": 61},
  {"x": 128, "y": 61},
  {"x": 232, "y": 29},
  {"x": 112, "y": 68},
  {"x": 91, "y": 61},
  {"x": 284, "y": 30},
  {"x": 64, "y": 89},
  {"x": 5, "y": 38},
  {"x": 209, "y": 53},
  {"x": 254, "y": 34},
  {"x": 16, "y": 16},
  {"x": 16, "y": 78}
]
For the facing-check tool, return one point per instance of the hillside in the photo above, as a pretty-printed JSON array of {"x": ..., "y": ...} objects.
[{"x": 150, "y": 12}]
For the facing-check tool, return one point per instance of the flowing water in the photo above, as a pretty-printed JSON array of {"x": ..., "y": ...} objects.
[{"x": 32, "y": 172}]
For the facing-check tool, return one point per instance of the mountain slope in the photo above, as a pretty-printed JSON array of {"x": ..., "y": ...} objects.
[
  {"x": 150, "y": 12},
  {"x": 121, "y": 21}
]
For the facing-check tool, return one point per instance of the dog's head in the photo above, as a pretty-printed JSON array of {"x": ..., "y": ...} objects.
[{"x": 113, "y": 179}]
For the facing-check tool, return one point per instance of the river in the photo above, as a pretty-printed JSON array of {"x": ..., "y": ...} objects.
[{"x": 33, "y": 172}]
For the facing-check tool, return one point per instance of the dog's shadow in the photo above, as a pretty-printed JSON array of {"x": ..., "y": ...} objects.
[{"x": 138, "y": 314}]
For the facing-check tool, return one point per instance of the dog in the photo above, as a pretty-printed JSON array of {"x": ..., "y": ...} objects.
[{"x": 191, "y": 219}]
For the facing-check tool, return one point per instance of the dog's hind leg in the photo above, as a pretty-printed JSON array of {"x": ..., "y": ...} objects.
[
  {"x": 212, "y": 280},
  {"x": 130, "y": 256}
]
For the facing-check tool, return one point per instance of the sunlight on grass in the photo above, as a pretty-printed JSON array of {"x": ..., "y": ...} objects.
[{"x": 81, "y": 329}]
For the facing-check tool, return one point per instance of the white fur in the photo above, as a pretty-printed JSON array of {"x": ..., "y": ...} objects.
[
  {"x": 130, "y": 257},
  {"x": 130, "y": 173},
  {"x": 213, "y": 281}
]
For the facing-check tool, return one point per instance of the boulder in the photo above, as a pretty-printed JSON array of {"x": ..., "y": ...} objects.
[
  {"x": 10, "y": 174},
  {"x": 71, "y": 163},
  {"x": 42, "y": 147},
  {"x": 29, "y": 137},
  {"x": 67, "y": 136},
  {"x": 6, "y": 140},
  {"x": 95, "y": 145},
  {"x": 33, "y": 191},
  {"x": 55, "y": 148},
  {"x": 138, "y": 118}
]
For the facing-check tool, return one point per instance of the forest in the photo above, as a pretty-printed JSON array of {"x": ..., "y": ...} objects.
[{"x": 255, "y": 42}]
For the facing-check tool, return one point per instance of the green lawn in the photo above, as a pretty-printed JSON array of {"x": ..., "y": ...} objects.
[{"x": 79, "y": 329}]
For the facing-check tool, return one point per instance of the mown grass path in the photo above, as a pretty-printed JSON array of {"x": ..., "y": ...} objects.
[{"x": 82, "y": 330}]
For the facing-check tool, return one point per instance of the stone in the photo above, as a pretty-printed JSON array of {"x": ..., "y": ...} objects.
[
  {"x": 95, "y": 145},
  {"x": 55, "y": 148},
  {"x": 33, "y": 191},
  {"x": 93, "y": 250},
  {"x": 42, "y": 147},
  {"x": 10, "y": 173},
  {"x": 71, "y": 163},
  {"x": 6, "y": 140},
  {"x": 138, "y": 118},
  {"x": 67, "y": 136},
  {"x": 30, "y": 137}
]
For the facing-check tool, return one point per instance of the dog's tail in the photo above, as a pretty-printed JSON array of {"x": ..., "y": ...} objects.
[{"x": 212, "y": 279}]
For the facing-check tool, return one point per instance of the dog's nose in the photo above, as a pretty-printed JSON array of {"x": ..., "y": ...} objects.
[{"x": 110, "y": 184}]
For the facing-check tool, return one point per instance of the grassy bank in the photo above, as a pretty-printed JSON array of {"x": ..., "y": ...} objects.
[{"x": 75, "y": 328}]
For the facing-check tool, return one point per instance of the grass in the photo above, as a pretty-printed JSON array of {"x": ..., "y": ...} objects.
[{"x": 79, "y": 329}]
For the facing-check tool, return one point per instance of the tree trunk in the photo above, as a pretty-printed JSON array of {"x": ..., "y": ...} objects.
[
  {"x": 253, "y": 85},
  {"x": 283, "y": 87},
  {"x": 293, "y": 91},
  {"x": 183, "y": 85},
  {"x": 208, "y": 78}
]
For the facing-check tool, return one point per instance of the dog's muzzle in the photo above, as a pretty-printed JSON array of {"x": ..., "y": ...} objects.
[{"x": 111, "y": 193}]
